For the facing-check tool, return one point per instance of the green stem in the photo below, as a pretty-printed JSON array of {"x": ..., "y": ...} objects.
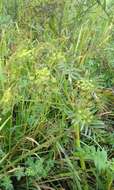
[
  {"x": 83, "y": 167},
  {"x": 109, "y": 184},
  {"x": 77, "y": 135},
  {"x": 82, "y": 162}
]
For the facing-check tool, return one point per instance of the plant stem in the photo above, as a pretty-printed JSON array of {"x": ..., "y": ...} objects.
[
  {"x": 77, "y": 135},
  {"x": 82, "y": 162}
]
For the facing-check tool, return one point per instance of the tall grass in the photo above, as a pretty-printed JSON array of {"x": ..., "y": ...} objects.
[{"x": 56, "y": 95}]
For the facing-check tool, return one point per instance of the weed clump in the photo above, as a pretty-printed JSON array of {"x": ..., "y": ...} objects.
[{"x": 56, "y": 95}]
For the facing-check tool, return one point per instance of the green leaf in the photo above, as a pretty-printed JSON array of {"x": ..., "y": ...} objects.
[
  {"x": 19, "y": 173},
  {"x": 100, "y": 160},
  {"x": 7, "y": 183}
]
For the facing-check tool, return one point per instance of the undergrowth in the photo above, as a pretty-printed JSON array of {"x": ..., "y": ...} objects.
[{"x": 56, "y": 95}]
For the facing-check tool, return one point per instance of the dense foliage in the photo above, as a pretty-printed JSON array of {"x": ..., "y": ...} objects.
[{"x": 56, "y": 94}]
